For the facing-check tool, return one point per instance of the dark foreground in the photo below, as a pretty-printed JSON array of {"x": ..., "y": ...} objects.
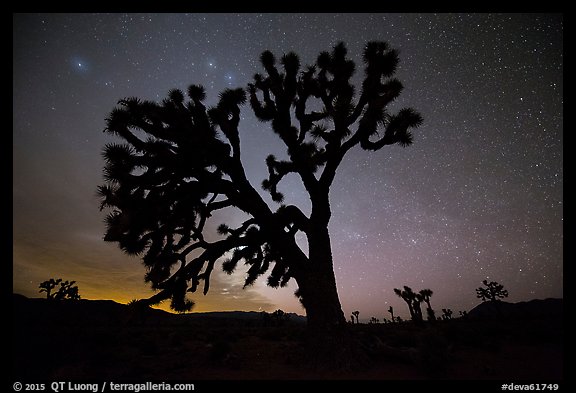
[{"x": 103, "y": 340}]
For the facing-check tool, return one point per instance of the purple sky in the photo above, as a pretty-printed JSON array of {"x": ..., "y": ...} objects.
[{"x": 478, "y": 195}]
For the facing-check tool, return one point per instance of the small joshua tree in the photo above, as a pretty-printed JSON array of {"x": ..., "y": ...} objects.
[
  {"x": 447, "y": 313},
  {"x": 49, "y": 285},
  {"x": 426, "y": 294},
  {"x": 67, "y": 289},
  {"x": 493, "y": 291},
  {"x": 356, "y": 314},
  {"x": 413, "y": 301},
  {"x": 391, "y": 311}
]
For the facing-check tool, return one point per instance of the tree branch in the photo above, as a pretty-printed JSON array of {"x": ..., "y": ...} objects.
[{"x": 291, "y": 214}]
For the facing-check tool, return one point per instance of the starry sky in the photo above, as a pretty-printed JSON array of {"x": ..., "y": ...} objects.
[{"x": 479, "y": 195}]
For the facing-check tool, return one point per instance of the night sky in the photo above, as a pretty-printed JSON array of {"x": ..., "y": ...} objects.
[{"x": 479, "y": 195}]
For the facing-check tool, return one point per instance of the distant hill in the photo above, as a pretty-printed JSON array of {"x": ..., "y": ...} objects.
[
  {"x": 107, "y": 312},
  {"x": 239, "y": 315},
  {"x": 537, "y": 308}
]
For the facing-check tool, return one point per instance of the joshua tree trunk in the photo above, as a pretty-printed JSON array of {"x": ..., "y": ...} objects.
[
  {"x": 320, "y": 298},
  {"x": 317, "y": 286},
  {"x": 411, "y": 310},
  {"x": 330, "y": 344}
]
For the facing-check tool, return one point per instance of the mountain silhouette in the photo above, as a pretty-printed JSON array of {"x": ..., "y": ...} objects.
[
  {"x": 537, "y": 308},
  {"x": 110, "y": 313}
]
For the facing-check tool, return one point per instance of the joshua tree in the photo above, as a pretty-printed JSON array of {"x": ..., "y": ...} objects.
[
  {"x": 493, "y": 291},
  {"x": 391, "y": 311},
  {"x": 48, "y": 285},
  {"x": 408, "y": 296},
  {"x": 426, "y": 294},
  {"x": 413, "y": 300},
  {"x": 447, "y": 313},
  {"x": 352, "y": 319},
  {"x": 356, "y": 314},
  {"x": 67, "y": 289},
  {"x": 374, "y": 320},
  {"x": 180, "y": 163}
]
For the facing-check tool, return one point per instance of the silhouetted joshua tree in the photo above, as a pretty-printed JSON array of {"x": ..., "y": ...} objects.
[
  {"x": 426, "y": 294},
  {"x": 67, "y": 289},
  {"x": 374, "y": 320},
  {"x": 356, "y": 314},
  {"x": 447, "y": 313},
  {"x": 493, "y": 291},
  {"x": 391, "y": 311},
  {"x": 413, "y": 300},
  {"x": 181, "y": 162},
  {"x": 352, "y": 319},
  {"x": 408, "y": 296},
  {"x": 48, "y": 285}
]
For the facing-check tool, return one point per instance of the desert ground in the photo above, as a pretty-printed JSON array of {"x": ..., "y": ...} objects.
[{"x": 83, "y": 340}]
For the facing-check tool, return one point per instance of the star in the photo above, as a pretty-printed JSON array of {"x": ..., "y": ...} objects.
[{"x": 479, "y": 193}]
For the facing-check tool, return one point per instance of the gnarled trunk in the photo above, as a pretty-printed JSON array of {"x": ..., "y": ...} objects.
[
  {"x": 330, "y": 344},
  {"x": 320, "y": 298},
  {"x": 317, "y": 286}
]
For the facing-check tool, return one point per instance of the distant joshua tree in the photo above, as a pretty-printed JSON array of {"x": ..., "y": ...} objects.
[
  {"x": 408, "y": 296},
  {"x": 447, "y": 313},
  {"x": 67, "y": 289},
  {"x": 493, "y": 291},
  {"x": 356, "y": 314},
  {"x": 413, "y": 300},
  {"x": 463, "y": 314},
  {"x": 352, "y": 319},
  {"x": 374, "y": 320},
  {"x": 48, "y": 285},
  {"x": 391, "y": 311},
  {"x": 426, "y": 294}
]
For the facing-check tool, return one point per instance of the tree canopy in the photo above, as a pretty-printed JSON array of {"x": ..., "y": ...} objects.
[{"x": 181, "y": 161}]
